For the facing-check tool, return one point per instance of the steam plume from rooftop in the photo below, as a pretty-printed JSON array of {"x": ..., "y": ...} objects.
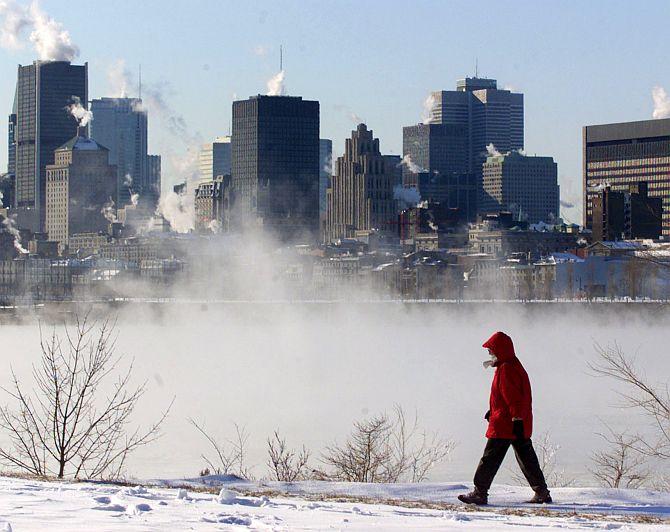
[
  {"x": 661, "y": 103},
  {"x": 49, "y": 38}
]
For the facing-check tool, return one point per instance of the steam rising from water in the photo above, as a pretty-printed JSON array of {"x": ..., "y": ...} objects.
[{"x": 276, "y": 366}]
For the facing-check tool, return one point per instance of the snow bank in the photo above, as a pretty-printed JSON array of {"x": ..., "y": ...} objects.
[{"x": 28, "y": 505}]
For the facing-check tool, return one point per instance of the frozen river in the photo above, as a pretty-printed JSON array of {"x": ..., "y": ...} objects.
[{"x": 310, "y": 370}]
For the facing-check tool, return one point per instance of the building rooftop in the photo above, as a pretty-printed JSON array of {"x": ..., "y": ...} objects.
[
  {"x": 659, "y": 127},
  {"x": 82, "y": 143}
]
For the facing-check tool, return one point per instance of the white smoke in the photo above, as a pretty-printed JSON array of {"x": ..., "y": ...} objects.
[
  {"x": 10, "y": 227},
  {"x": 155, "y": 102},
  {"x": 82, "y": 115},
  {"x": 492, "y": 151},
  {"x": 108, "y": 211},
  {"x": 14, "y": 21},
  {"x": 214, "y": 226},
  {"x": 329, "y": 165},
  {"x": 661, "y": 103},
  {"x": 134, "y": 199},
  {"x": 276, "y": 85},
  {"x": 567, "y": 205},
  {"x": 49, "y": 39},
  {"x": 356, "y": 119},
  {"x": 410, "y": 196},
  {"x": 127, "y": 181},
  {"x": 411, "y": 165},
  {"x": 429, "y": 105},
  {"x": 178, "y": 210},
  {"x": 119, "y": 79}
]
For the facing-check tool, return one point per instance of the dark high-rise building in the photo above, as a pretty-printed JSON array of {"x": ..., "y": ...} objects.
[
  {"x": 325, "y": 169},
  {"x": 275, "y": 170},
  {"x": 618, "y": 155},
  {"x": 44, "y": 91},
  {"x": 361, "y": 196},
  {"x": 626, "y": 215},
  {"x": 524, "y": 185},
  {"x": 11, "y": 144},
  {"x": 80, "y": 186},
  {"x": 153, "y": 178},
  {"x": 436, "y": 163},
  {"x": 491, "y": 115},
  {"x": 120, "y": 124}
]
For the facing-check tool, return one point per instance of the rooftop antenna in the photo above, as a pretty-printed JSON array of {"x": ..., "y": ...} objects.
[
  {"x": 281, "y": 58},
  {"x": 476, "y": 67},
  {"x": 140, "y": 82}
]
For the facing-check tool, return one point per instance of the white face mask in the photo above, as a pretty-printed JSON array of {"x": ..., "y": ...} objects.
[{"x": 491, "y": 362}]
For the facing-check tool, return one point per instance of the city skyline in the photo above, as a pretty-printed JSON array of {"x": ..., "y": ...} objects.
[{"x": 541, "y": 54}]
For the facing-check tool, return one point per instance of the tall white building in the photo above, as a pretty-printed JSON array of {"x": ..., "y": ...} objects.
[{"x": 215, "y": 159}]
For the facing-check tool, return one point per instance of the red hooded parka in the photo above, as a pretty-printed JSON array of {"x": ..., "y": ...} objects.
[{"x": 510, "y": 391}]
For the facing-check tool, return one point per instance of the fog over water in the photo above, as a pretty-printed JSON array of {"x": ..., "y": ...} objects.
[{"x": 310, "y": 370}]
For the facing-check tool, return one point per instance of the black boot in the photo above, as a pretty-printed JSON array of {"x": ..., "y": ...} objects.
[
  {"x": 541, "y": 497},
  {"x": 475, "y": 497}
]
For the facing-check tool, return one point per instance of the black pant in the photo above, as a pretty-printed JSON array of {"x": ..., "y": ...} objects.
[{"x": 494, "y": 453}]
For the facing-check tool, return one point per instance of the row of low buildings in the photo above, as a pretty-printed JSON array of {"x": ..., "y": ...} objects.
[{"x": 499, "y": 257}]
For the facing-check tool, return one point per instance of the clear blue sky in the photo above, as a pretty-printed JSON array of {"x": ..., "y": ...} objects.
[{"x": 577, "y": 62}]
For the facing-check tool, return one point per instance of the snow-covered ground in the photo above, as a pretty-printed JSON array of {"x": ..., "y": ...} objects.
[{"x": 218, "y": 504}]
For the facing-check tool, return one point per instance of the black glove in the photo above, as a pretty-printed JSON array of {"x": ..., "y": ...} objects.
[
  {"x": 517, "y": 429},
  {"x": 487, "y": 415}
]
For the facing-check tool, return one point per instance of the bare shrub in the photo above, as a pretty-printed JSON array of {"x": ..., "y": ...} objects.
[
  {"x": 286, "y": 465},
  {"x": 653, "y": 400},
  {"x": 547, "y": 453},
  {"x": 74, "y": 421},
  {"x": 620, "y": 465},
  {"x": 385, "y": 449},
  {"x": 229, "y": 455}
]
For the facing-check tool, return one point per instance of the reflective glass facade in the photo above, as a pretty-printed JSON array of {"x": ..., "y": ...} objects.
[{"x": 621, "y": 155}]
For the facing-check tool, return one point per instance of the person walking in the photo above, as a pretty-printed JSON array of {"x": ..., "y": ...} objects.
[{"x": 510, "y": 422}]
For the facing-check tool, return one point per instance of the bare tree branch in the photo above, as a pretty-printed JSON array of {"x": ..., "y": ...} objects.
[
  {"x": 66, "y": 426},
  {"x": 385, "y": 449}
]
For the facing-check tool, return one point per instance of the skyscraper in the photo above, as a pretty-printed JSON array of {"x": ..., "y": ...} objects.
[
  {"x": 360, "y": 198},
  {"x": 44, "y": 91},
  {"x": 527, "y": 186},
  {"x": 214, "y": 159},
  {"x": 153, "y": 179},
  {"x": 11, "y": 144},
  {"x": 275, "y": 165},
  {"x": 120, "y": 124},
  {"x": 80, "y": 185},
  {"x": 436, "y": 163},
  {"x": 491, "y": 116},
  {"x": 325, "y": 169},
  {"x": 618, "y": 155}
]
